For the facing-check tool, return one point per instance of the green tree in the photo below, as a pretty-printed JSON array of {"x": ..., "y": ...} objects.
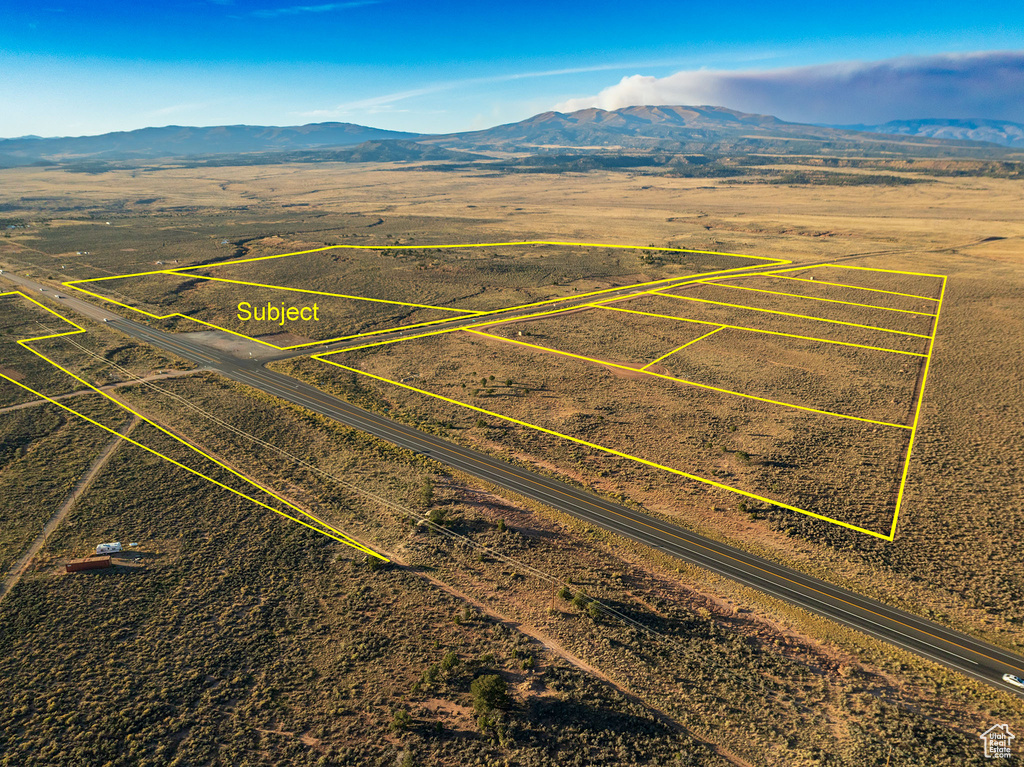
[{"x": 489, "y": 692}]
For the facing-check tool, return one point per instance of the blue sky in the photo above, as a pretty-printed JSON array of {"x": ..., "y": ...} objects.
[{"x": 79, "y": 67}]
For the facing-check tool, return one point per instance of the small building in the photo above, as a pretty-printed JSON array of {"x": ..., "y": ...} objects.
[
  {"x": 108, "y": 548},
  {"x": 89, "y": 563}
]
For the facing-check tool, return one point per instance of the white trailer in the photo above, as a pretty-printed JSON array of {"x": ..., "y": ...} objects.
[{"x": 108, "y": 548}]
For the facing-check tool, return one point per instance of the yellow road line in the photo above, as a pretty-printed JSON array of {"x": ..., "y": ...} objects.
[
  {"x": 609, "y": 450},
  {"x": 684, "y": 381},
  {"x": 810, "y": 298},
  {"x": 917, "y": 415},
  {"x": 680, "y": 348},
  {"x": 787, "y": 314},
  {"x": 334, "y": 532},
  {"x": 756, "y": 330}
]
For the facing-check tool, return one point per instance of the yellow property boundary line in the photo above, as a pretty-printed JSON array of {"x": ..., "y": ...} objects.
[
  {"x": 784, "y": 314},
  {"x": 754, "y": 330},
  {"x": 646, "y": 372},
  {"x": 680, "y": 348},
  {"x": 810, "y": 298},
  {"x": 777, "y": 274},
  {"x": 330, "y": 532},
  {"x": 661, "y": 285},
  {"x": 696, "y": 279},
  {"x": 465, "y": 314}
]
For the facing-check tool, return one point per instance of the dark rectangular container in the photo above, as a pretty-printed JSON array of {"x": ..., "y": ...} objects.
[{"x": 90, "y": 563}]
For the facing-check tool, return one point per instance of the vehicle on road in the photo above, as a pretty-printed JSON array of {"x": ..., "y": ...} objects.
[{"x": 1016, "y": 681}]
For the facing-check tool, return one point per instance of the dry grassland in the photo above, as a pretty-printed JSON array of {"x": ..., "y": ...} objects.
[
  {"x": 262, "y": 646},
  {"x": 43, "y": 452},
  {"x": 956, "y": 553},
  {"x": 217, "y": 303},
  {"x": 839, "y": 379},
  {"x": 811, "y": 290},
  {"x": 836, "y": 467},
  {"x": 406, "y": 286},
  {"x": 695, "y": 297},
  {"x": 624, "y": 339},
  {"x": 672, "y": 306}
]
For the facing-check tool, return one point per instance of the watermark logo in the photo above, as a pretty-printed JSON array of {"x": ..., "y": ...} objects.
[{"x": 997, "y": 740}]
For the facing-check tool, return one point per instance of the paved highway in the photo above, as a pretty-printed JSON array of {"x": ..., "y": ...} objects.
[{"x": 951, "y": 648}]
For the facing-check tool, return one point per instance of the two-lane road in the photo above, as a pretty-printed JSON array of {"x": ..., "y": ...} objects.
[{"x": 953, "y": 649}]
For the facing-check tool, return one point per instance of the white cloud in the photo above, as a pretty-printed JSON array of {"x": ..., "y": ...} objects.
[
  {"x": 988, "y": 85},
  {"x": 385, "y": 102},
  {"x": 177, "y": 109},
  {"x": 295, "y": 10}
]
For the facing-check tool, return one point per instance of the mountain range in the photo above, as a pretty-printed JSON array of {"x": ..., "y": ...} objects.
[
  {"x": 668, "y": 128},
  {"x": 992, "y": 131},
  {"x": 179, "y": 141}
]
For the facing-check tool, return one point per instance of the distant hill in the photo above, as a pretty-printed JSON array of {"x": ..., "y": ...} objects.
[
  {"x": 695, "y": 129},
  {"x": 637, "y": 120},
  {"x": 178, "y": 141},
  {"x": 992, "y": 131},
  {"x": 633, "y": 127},
  {"x": 391, "y": 150}
]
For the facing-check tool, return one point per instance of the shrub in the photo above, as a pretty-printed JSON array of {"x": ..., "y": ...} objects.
[
  {"x": 450, "y": 661},
  {"x": 427, "y": 492},
  {"x": 430, "y": 674},
  {"x": 401, "y": 721}
]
